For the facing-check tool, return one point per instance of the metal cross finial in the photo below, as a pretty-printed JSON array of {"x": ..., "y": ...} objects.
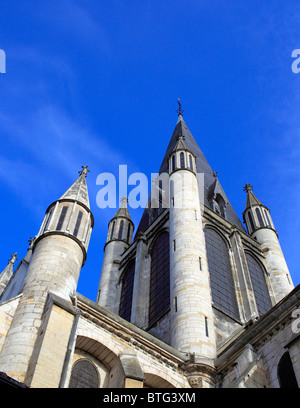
[
  {"x": 248, "y": 187},
  {"x": 124, "y": 200},
  {"x": 84, "y": 171},
  {"x": 179, "y": 110},
  {"x": 13, "y": 258}
]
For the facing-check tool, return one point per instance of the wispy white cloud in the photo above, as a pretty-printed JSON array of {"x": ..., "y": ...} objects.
[
  {"x": 51, "y": 147},
  {"x": 78, "y": 22}
]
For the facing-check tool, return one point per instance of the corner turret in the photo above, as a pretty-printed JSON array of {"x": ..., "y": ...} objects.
[
  {"x": 260, "y": 227},
  {"x": 119, "y": 237}
]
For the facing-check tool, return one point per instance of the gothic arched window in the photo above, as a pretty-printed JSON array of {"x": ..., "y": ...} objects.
[
  {"x": 267, "y": 218},
  {"x": 61, "y": 218},
  {"x": 173, "y": 163},
  {"x": 126, "y": 292},
  {"x": 221, "y": 279},
  {"x": 121, "y": 230},
  {"x": 191, "y": 162},
  {"x": 84, "y": 375},
  {"x": 182, "y": 160},
  {"x": 78, "y": 222},
  {"x": 159, "y": 278},
  {"x": 286, "y": 373},
  {"x": 259, "y": 217},
  {"x": 220, "y": 205},
  {"x": 260, "y": 289},
  {"x": 251, "y": 221},
  {"x": 128, "y": 233}
]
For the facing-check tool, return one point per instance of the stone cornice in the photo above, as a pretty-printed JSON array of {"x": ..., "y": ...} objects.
[{"x": 135, "y": 336}]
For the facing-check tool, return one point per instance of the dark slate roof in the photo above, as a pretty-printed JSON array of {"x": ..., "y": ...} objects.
[{"x": 202, "y": 167}]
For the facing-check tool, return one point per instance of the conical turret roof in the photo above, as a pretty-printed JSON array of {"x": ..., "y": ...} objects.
[
  {"x": 123, "y": 211},
  {"x": 78, "y": 190}
]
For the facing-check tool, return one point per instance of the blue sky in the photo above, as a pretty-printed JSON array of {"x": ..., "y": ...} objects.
[{"x": 94, "y": 82}]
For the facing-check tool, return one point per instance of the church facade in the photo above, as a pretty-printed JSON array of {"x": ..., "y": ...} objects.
[{"x": 193, "y": 299}]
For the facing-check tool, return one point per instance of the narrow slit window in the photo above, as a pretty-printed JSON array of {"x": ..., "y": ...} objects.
[
  {"x": 112, "y": 230},
  {"x": 78, "y": 222},
  {"x": 121, "y": 230},
  {"x": 251, "y": 221},
  {"x": 61, "y": 218},
  {"x": 191, "y": 162},
  {"x": 174, "y": 245},
  {"x": 173, "y": 163},
  {"x": 200, "y": 264},
  {"x": 268, "y": 219},
  {"x": 259, "y": 217},
  {"x": 48, "y": 220},
  {"x": 128, "y": 233},
  {"x": 182, "y": 160},
  {"x": 206, "y": 327},
  {"x": 159, "y": 296}
]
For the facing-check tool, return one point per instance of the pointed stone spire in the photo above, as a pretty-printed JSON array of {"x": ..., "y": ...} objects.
[
  {"x": 7, "y": 272},
  {"x": 202, "y": 167},
  {"x": 78, "y": 190},
  {"x": 123, "y": 209},
  {"x": 256, "y": 215},
  {"x": 251, "y": 200}
]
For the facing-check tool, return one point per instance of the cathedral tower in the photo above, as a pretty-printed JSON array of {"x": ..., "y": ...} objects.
[
  {"x": 59, "y": 252},
  {"x": 260, "y": 227}
]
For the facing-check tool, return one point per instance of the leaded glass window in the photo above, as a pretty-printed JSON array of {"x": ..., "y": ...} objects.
[
  {"x": 260, "y": 289},
  {"x": 221, "y": 279},
  {"x": 126, "y": 292},
  {"x": 128, "y": 233},
  {"x": 159, "y": 278},
  {"x": 78, "y": 222},
  {"x": 61, "y": 218},
  {"x": 84, "y": 375},
  {"x": 191, "y": 162}
]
